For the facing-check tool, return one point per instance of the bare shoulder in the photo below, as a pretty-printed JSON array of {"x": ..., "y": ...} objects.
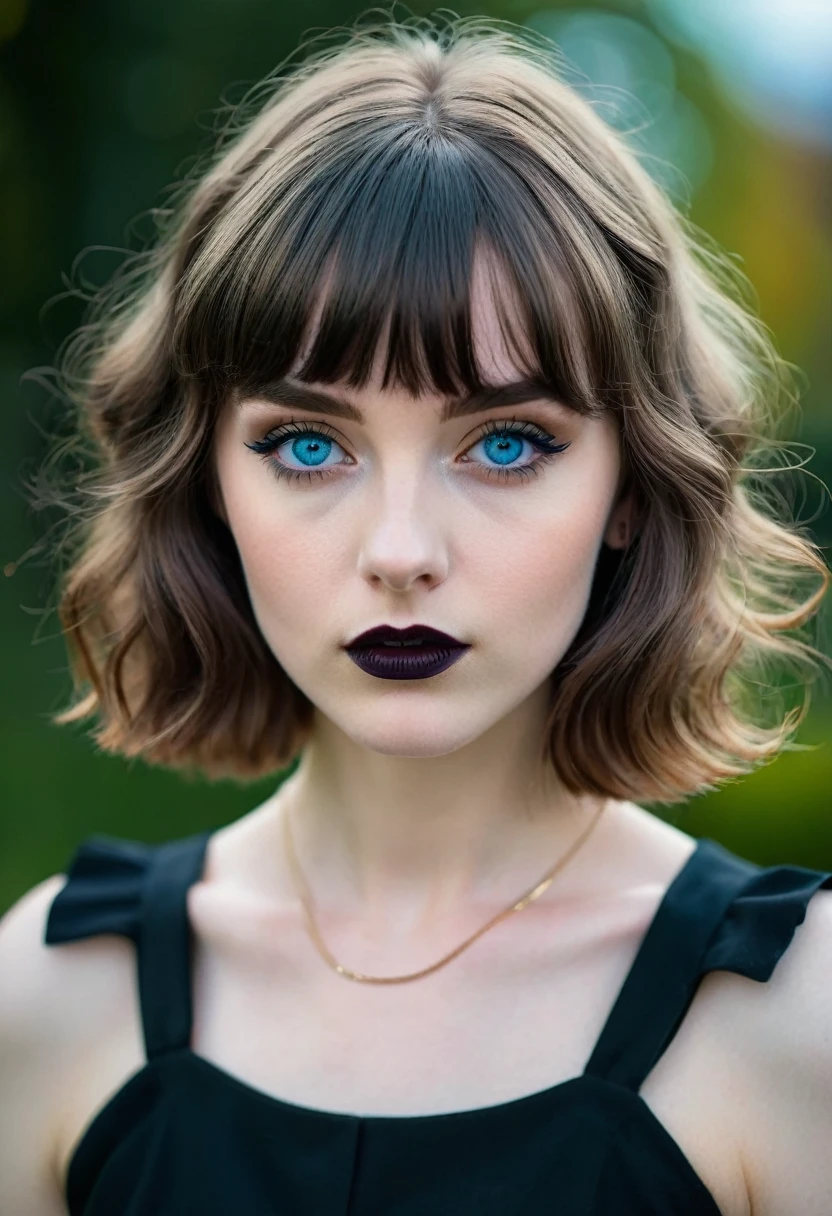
[
  {"x": 787, "y": 1063},
  {"x": 791, "y": 1014},
  {"x": 61, "y": 994},
  {"x": 803, "y": 976},
  {"x": 57, "y": 1006},
  {"x": 793, "y": 1011},
  {"x": 30, "y": 972}
]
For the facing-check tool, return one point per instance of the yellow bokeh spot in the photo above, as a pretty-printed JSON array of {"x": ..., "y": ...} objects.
[{"x": 12, "y": 16}]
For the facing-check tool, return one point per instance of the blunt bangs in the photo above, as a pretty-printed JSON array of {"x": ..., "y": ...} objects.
[{"x": 377, "y": 241}]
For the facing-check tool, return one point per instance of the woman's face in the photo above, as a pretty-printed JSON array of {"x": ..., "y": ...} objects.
[{"x": 420, "y": 520}]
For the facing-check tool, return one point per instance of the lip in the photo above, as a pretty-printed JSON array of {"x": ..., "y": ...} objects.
[
  {"x": 438, "y": 652},
  {"x": 410, "y": 633},
  {"x": 405, "y": 662}
]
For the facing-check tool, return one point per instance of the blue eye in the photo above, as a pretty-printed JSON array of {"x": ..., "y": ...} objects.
[
  {"x": 311, "y": 445},
  {"x": 502, "y": 442}
]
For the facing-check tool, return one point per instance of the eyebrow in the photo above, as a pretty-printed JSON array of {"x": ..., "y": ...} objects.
[{"x": 286, "y": 391}]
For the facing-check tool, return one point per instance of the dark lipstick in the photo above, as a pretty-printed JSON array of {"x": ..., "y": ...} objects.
[{"x": 413, "y": 653}]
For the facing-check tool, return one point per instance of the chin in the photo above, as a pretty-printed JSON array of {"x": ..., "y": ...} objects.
[{"x": 407, "y": 732}]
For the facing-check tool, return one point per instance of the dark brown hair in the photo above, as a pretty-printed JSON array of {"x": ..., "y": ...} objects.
[{"x": 378, "y": 166}]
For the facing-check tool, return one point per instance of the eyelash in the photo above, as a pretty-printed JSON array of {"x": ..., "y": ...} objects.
[{"x": 544, "y": 443}]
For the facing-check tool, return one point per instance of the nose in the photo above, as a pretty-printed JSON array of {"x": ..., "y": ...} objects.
[{"x": 404, "y": 543}]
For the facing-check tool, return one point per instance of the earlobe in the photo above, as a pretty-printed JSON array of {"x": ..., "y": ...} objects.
[{"x": 620, "y": 527}]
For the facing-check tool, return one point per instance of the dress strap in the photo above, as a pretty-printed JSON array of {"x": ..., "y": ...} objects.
[
  {"x": 165, "y": 944},
  {"x": 138, "y": 891},
  {"x": 668, "y": 966}
]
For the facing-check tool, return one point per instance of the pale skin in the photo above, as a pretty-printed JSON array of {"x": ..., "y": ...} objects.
[{"x": 419, "y": 810}]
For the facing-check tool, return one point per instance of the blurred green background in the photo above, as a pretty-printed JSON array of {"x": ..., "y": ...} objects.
[{"x": 103, "y": 104}]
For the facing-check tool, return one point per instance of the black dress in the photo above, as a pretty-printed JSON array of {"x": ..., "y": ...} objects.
[{"x": 182, "y": 1137}]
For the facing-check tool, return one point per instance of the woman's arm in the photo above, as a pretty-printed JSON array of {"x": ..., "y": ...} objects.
[
  {"x": 31, "y": 1034},
  {"x": 786, "y": 1026}
]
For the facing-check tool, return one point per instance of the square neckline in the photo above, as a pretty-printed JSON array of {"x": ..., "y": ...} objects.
[
  {"x": 668, "y": 895},
  {"x": 538, "y": 1095},
  {"x": 85, "y": 1145}
]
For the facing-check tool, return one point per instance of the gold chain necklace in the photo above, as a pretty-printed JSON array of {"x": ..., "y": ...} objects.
[{"x": 305, "y": 897}]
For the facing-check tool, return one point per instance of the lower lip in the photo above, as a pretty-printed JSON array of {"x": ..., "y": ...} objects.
[{"x": 405, "y": 663}]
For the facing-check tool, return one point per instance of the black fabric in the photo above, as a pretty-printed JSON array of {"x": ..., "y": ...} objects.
[
  {"x": 164, "y": 945},
  {"x": 184, "y": 1138},
  {"x": 668, "y": 967}
]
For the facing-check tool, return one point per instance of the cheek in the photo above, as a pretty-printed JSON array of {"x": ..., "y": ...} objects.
[
  {"x": 290, "y": 571},
  {"x": 290, "y": 564},
  {"x": 535, "y": 570}
]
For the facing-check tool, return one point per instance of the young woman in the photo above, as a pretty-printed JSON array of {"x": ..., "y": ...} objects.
[{"x": 424, "y": 436}]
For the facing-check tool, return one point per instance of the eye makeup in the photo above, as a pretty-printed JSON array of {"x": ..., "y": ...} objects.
[{"x": 503, "y": 438}]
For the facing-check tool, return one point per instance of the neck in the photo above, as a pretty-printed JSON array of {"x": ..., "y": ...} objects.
[{"x": 411, "y": 839}]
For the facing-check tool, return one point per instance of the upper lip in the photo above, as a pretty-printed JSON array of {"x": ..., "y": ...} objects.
[{"x": 389, "y": 633}]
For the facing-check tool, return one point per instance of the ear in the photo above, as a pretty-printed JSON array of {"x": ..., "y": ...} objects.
[{"x": 621, "y": 524}]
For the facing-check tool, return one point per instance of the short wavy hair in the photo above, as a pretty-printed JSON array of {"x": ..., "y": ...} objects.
[{"x": 376, "y": 167}]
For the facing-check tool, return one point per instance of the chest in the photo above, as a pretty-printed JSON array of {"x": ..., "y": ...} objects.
[
  {"x": 519, "y": 1011},
  {"x": 518, "y": 1014},
  {"x": 515, "y": 1016}
]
